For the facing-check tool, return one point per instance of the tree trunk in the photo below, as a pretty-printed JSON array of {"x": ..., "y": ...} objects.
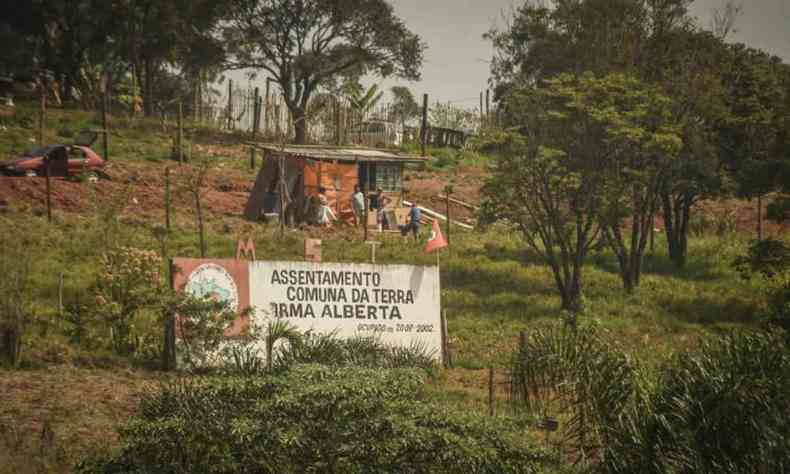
[
  {"x": 677, "y": 212},
  {"x": 10, "y": 345},
  {"x": 571, "y": 295},
  {"x": 300, "y": 126},
  {"x": 760, "y": 217}
]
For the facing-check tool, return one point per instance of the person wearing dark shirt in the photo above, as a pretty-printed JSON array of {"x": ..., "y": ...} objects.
[{"x": 414, "y": 222}]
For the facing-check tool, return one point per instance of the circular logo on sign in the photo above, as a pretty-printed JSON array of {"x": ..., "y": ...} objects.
[{"x": 212, "y": 281}]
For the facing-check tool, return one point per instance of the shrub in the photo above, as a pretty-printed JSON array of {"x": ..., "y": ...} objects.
[
  {"x": 312, "y": 419},
  {"x": 128, "y": 283},
  {"x": 723, "y": 409},
  {"x": 771, "y": 260},
  {"x": 577, "y": 375}
]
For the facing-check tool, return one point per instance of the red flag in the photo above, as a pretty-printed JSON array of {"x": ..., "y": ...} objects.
[{"x": 436, "y": 241}]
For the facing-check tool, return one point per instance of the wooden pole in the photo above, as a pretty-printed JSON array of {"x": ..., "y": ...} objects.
[
  {"x": 424, "y": 128},
  {"x": 482, "y": 111},
  {"x": 169, "y": 352},
  {"x": 42, "y": 113},
  {"x": 180, "y": 133},
  {"x": 283, "y": 189},
  {"x": 491, "y": 398},
  {"x": 49, "y": 190},
  {"x": 105, "y": 125},
  {"x": 60, "y": 295},
  {"x": 255, "y": 113},
  {"x": 201, "y": 230},
  {"x": 488, "y": 105},
  {"x": 447, "y": 191},
  {"x": 448, "y": 359},
  {"x": 266, "y": 111},
  {"x": 167, "y": 198},
  {"x": 230, "y": 103},
  {"x": 338, "y": 138},
  {"x": 760, "y": 217}
]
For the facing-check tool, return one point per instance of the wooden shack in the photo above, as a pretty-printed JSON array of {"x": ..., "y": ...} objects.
[{"x": 307, "y": 169}]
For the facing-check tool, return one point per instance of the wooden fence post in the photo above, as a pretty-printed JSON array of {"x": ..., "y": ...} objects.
[
  {"x": 169, "y": 350},
  {"x": 482, "y": 111},
  {"x": 60, "y": 295},
  {"x": 230, "y": 103},
  {"x": 266, "y": 111},
  {"x": 424, "y": 128},
  {"x": 104, "y": 124},
  {"x": 447, "y": 191},
  {"x": 167, "y": 198},
  {"x": 49, "y": 190},
  {"x": 488, "y": 105},
  {"x": 180, "y": 132},
  {"x": 255, "y": 114},
  {"x": 448, "y": 358},
  {"x": 491, "y": 396},
  {"x": 42, "y": 113}
]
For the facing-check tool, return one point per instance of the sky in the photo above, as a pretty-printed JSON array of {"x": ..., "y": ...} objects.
[{"x": 456, "y": 66}]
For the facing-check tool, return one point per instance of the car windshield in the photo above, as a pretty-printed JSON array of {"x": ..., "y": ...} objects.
[{"x": 40, "y": 151}]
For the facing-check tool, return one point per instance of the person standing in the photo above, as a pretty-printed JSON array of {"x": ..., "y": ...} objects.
[
  {"x": 358, "y": 205},
  {"x": 325, "y": 214},
  {"x": 378, "y": 202},
  {"x": 414, "y": 222}
]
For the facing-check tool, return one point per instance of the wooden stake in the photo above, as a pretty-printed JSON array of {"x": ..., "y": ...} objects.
[
  {"x": 488, "y": 105},
  {"x": 200, "y": 225},
  {"x": 167, "y": 198},
  {"x": 169, "y": 352},
  {"x": 424, "y": 128},
  {"x": 42, "y": 111},
  {"x": 180, "y": 133},
  {"x": 373, "y": 246},
  {"x": 266, "y": 111},
  {"x": 447, "y": 357},
  {"x": 49, "y": 190},
  {"x": 760, "y": 217},
  {"x": 447, "y": 191},
  {"x": 60, "y": 295},
  {"x": 491, "y": 398},
  {"x": 104, "y": 124},
  {"x": 282, "y": 195},
  {"x": 230, "y": 103},
  {"x": 255, "y": 114},
  {"x": 482, "y": 111}
]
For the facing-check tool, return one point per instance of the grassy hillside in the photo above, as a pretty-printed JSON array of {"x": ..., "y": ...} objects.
[{"x": 492, "y": 286}]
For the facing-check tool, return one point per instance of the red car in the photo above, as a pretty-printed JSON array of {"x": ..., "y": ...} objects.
[{"x": 63, "y": 160}]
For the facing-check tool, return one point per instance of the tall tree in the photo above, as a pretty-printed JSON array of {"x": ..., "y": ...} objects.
[
  {"x": 304, "y": 43},
  {"x": 580, "y": 158},
  {"x": 754, "y": 137}
]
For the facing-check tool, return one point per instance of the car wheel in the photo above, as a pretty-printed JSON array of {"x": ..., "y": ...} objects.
[
  {"x": 31, "y": 173},
  {"x": 92, "y": 177}
]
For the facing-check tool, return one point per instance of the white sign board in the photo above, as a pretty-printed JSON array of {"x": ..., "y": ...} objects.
[{"x": 397, "y": 303}]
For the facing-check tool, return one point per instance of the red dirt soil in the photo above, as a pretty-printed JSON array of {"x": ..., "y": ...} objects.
[{"x": 225, "y": 193}]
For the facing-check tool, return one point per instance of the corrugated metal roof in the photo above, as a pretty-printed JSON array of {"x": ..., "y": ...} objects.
[{"x": 344, "y": 154}]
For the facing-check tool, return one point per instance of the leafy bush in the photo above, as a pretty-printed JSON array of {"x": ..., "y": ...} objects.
[
  {"x": 723, "y": 409},
  {"x": 312, "y": 419},
  {"x": 575, "y": 375},
  {"x": 128, "y": 283},
  {"x": 771, "y": 260}
]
